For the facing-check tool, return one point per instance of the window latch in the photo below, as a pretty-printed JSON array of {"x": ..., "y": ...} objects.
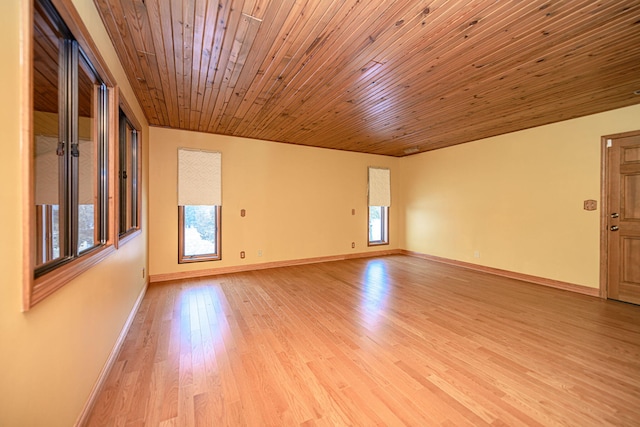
[
  {"x": 75, "y": 151},
  {"x": 60, "y": 149}
]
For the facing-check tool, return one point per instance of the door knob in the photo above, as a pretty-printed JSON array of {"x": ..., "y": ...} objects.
[
  {"x": 614, "y": 215},
  {"x": 614, "y": 228}
]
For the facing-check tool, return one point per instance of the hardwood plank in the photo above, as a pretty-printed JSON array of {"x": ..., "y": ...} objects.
[
  {"x": 113, "y": 16},
  {"x": 159, "y": 16},
  {"x": 204, "y": 14},
  {"x": 136, "y": 15},
  {"x": 393, "y": 340},
  {"x": 214, "y": 98},
  {"x": 266, "y": 265}
]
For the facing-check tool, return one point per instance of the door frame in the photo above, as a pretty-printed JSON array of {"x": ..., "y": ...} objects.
[{"x": 604, "y": 211}]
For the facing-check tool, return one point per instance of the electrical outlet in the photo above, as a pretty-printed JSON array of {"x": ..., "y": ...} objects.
[
  {"x": 143, "y": 272},
  {"x": 476, "y": 254},
  {"x": 242, "y": 254},
  {"x": 353, "y": 245},
  {"x": 260, "y": 252}
]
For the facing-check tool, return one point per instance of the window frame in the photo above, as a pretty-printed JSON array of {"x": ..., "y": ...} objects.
[
  {"x": 384, "y": 222},
  {"x": 36, "y": 289},
  {"x": 71, "y": 155},
  {"x": 185, "y": 259},
  {"x": 123, "y": 236}
]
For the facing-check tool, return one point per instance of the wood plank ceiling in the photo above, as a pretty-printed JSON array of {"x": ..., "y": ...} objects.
[{"x": 386, "y": 77}]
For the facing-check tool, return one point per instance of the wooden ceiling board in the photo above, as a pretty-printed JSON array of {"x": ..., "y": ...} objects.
[{"x": 392, "y": 78}]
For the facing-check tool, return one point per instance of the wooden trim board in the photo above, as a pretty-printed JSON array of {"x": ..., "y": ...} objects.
[
  {"x": 111, "y": 360},
  {"x": 164, "y": 277},
  {"x": 604, "y": 235},
  {"x": 585, "y": 290}
]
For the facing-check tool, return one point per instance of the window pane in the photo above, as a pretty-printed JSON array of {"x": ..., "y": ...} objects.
[
  {"x": 378, "y": 225},
  {"x": 375, "y": 223},
  {"x": 131, "y": 175},
  {"x": 200, "y": 230},
  {"x": 88, "y": 160},
  {"x": 48, "y": 166},
  {"x": 55, "y": 231},
  {"x": 128, "y": 175}
]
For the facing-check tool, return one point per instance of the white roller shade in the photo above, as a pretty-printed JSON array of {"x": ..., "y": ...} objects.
[
  {"x": 199, "y": 178},
  {"x": 379, "y": 187}
]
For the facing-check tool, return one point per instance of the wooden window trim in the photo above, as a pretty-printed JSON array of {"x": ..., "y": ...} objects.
[
  {"x": 127, "y": 237},
  {"x": 182, "y": 259},
  {"x": 74, "y": 22},
  {"x": 47, "y": 284},
  {"x": 385, "y": 240},
  {"x": 121, "y": 239},
  {"x": 35, "y": 290}
]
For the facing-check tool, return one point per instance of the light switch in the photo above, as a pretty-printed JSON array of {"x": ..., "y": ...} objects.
[{"x": 590, "y": 205}]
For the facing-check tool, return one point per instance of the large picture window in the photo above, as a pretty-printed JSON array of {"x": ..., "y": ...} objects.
[
  {"x": 66, "y": 152},
  {"x": 379, "y": 202},
  {"x": 199, "y": 205},
  {"x": 70, "y": 145}
]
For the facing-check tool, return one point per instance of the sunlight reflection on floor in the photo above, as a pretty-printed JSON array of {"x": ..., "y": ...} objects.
[{"x": 375, "y": 292}]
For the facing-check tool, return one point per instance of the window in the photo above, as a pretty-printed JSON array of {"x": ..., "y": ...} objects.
[
  {"x": 199, "y": 233},
  {"x": 199, "y": 205},
  {"x": 379, "y": 202},
  {"x": 70, "y": 145},
  {"x": 129, "y": 177},
  {"x": 66, "y": 153},
  {"x": 378, "y": 225}
]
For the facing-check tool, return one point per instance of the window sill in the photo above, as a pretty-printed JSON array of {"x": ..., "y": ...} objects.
[
  {"x": 201, "y": 258},
  {"x": 46, "y": 285},
  {"x": 377, "y": 243},
  {"x": 128, "y": 237}
]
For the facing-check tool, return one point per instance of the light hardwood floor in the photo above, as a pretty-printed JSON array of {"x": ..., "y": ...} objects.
[{"x": 385, "y": 341}]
